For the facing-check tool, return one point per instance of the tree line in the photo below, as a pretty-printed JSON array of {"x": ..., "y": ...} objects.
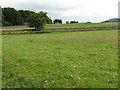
[
  {"x": 57, "y": 21},
  {"x": 13, "y": 17}
]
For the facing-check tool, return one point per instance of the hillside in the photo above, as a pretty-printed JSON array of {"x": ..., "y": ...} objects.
[{"x": 113, "y": 20}]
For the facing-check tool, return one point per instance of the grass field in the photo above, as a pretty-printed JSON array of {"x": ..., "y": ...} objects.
[
  {"x": 82, "y": 25},
  {"x": 61, "y": 59},
  {"x": 15, "y": 27},
  {"x": 79, "y": 25}
]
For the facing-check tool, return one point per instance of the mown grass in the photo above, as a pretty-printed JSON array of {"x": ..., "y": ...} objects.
[{"x": 61, "y": 59}]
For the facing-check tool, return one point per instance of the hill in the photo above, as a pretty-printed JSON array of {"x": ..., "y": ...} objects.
[{"x": 113, "y": 20}]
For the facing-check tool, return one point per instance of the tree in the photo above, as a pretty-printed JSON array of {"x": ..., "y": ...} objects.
[
  {"x": 67, "y": 22},
  {"x": 25, "y": 15},
  {"x": 60, "y": 21},
  {"x": 57, "y": 21},
  {"x": 11, "y": 16},
  {"x": 88, "y": 22},
  {"x": 38, "y": 21},
  {"x": 74, "y": 22},
  {"x": 47, "y": 19}
]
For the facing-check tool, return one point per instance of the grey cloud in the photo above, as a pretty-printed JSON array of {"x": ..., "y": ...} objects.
[
  {"x": 67, "y": 9},
  {"x": 37, "y": 6},
  {"x": 52, "y": 10},
  {"x": 29, "y": 6}
]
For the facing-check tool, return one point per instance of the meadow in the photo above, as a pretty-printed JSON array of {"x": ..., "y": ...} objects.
[
  {"x": 61, "y": 60},
  {"x": 79, "y": 25}
]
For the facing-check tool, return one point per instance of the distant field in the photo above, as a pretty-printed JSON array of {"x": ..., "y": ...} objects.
[
  {"x": 61, "y": 59},
  {"x": 80, "y": 25}
]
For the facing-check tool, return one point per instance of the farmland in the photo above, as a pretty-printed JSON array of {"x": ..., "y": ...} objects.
[
  {"x": 24, "y": 29},
  {"x": 61, "y": 59},
  {"x": 81, "y": 25}
]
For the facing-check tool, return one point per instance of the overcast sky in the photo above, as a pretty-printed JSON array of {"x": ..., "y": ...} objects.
[{"x": 67, "y": 10}]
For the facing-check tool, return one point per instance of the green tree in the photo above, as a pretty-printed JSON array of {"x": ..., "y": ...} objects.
[
  {"x": 10, "y": 15},
  {"x": 25, "y": 15},
  {"x": 56, "y": 21},
  {"x": 47, "y": 19},
  {"x": 37, "y": 21},
  {"x": 67, "y": 22}
]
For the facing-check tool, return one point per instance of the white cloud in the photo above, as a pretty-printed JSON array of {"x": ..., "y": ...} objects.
[{"x": 83, "y": 10}]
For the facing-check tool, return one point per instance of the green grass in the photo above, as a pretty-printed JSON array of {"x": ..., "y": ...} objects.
[
  {"x": 83, "y": 25},
  {"x": 61, "y": 59},
  {"x": 15, "y": 27},
  {"x": 79, "y": 25},
  {"x": 0, "y": 61}
]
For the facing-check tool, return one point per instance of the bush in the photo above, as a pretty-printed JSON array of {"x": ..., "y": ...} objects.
[{"x": 37, "y": 21}]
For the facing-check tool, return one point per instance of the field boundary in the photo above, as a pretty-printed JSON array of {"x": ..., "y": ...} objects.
[{"x": 47, "y": 30}]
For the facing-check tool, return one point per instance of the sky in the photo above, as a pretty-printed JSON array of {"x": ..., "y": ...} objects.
[{"x": 69, "y": 10}]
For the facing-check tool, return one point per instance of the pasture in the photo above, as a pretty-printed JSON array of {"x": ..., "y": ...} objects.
[
  {"x": 79, "y": 25},
  {"x": 61, "y": 59}
]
